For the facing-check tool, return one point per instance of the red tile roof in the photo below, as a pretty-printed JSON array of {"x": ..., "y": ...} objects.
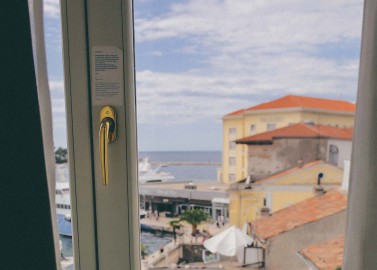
[
  {"x": 300, "y": 130},
  {"x": 327, "y": 255},
  {"x": 292, "y": 101},
  {"x": 301, "y": 213}
]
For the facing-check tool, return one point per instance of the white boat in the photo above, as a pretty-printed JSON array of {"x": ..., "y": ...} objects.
[
  {"x": 63, "y": 208},
  {"x": 147, "y": 174}
]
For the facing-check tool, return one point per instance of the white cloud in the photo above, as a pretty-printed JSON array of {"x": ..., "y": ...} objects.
[
  {"x": 248, "y": 49},
  {"x": 51, "y": 8},
  {"x": 58, "y": 106},
  {"x": 261, "y": 25},
  {"x": 56, "y": 85}
]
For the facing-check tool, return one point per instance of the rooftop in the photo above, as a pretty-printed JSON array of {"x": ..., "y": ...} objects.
[
  {"x": 327, "y": 255},
  {"x": 304, "y": 212},
  {"x": 298, "y": 169},
  {"x": 299, "y": 130},
  {"x": 292, "y": 101}
]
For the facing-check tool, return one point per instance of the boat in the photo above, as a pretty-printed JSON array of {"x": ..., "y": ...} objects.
[
  {"x": 147, "y": 174},
  {"x": 63, "y": 208}
]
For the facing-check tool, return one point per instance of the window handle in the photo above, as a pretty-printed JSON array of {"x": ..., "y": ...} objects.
[{"x": 107, "y": 134}]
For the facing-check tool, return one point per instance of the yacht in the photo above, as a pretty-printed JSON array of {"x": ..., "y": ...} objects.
[
  {"x": 147, "y": 174},
  {"x": 63, "y": 208}
]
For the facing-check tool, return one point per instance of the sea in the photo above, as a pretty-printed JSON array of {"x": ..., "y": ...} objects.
[{"x": 181, "y": 173}]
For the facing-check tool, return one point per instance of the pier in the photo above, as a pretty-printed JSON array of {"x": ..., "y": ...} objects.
[
  {"x": 184, "y": 163},
  {"x": 174, "y": 198},
  {"x": 173, "y": 251}
]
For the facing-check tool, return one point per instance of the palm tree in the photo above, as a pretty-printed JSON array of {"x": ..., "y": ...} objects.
[
  {"x": 144, "y": 250},
  {"x": 176, "y": 225},
  {"x": 194, "y": 217}
]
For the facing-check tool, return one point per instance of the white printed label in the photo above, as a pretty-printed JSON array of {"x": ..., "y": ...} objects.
[{"x": 107, "y": 76}]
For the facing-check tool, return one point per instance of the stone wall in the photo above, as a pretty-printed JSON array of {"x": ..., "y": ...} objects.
[
  {"x": 281, "y": 251},
  {"x": 283, "y": 154}
]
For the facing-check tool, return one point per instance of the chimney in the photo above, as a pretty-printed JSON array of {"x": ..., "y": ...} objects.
[
  {"x": 319, "y": 189},
  {"x": 248, "y": 182},
  {"x": 300, "y": 162},
  {"x": 309, "y": 123},
  {"x": 265, "y": 211}
]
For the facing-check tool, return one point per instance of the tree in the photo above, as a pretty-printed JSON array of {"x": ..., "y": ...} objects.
[
  {"x": 194, "y": 217},
  {"x": 144, "y": 250},
  {"x": 176, "y": 225},
  {"x": 61, "y": 155}
]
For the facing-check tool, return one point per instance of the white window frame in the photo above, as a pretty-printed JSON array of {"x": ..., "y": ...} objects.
[
  {"x": 232, "y": 145},
  {"x": 105, "y": 219},
  {"x": 253, "y": 129},
  {"x": 232, "y": 161},
  {"x": 271, "y": 126}
]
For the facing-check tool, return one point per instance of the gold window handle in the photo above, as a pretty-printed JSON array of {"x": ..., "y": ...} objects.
[{"x": 107, "y": 134}]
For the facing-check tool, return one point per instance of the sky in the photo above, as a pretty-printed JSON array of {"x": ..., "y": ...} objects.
[{"x": 199, "y": 60}]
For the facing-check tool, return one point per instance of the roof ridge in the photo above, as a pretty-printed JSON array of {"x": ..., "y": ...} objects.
[
  {"x": 333, "y": 195},
  {"x": 283, "y": 132},
  {"x": 300, "y": 101},
  {"x": 293, "y": 170}
]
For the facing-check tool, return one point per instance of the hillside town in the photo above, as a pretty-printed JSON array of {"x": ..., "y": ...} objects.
[{"x": 281, "y": 197}]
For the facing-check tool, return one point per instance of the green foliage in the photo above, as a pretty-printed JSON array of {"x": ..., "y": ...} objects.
[
  {"x": 61, "y": 155},
  {"x": 175, "y": 224},
  {"x": 144, "y": 250},
  {"x": 338, "y": 268},
  {"x": 194, "y": 216}
]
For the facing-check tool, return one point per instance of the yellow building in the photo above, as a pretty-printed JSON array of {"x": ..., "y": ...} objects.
[
  {"x": 271, "y": 115},
  {"x": 280, "y": 190}
]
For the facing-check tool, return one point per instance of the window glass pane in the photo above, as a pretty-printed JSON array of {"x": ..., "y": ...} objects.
[
  {"x": 232, "y": 161},
  {"x": 232, "y": 145},
  {"x": 271, "y": 126},
  {"x": 253, "y": 129},
  {"x": 240, "y": 62},
  {"x": 231, "y": 61},
  {"x": 53, "y": 41}
]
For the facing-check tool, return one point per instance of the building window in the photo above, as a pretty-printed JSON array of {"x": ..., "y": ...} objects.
[
  {"x": 334, "y": 153},
  {"x": 271, "y": 126},
  {"x": 253, "y": 129},
  {"x": 232, "y": 177},
  {"x": 232, "y": 131},
  {"x": 232, "y": 145},
  {"x": 232, "y": 161}
]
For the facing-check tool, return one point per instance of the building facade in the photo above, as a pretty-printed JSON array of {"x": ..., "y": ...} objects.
[
  {"x": 307, "y": 223},
  {"x": 284, "y": 148},
  {"x": 280, "y": 191},
  {"x": 268, "y": 116}
]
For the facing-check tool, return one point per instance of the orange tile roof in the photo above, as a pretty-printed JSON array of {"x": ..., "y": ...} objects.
[
  {"x": 292, "y": 101},
  {"x": 327, "y": 255},
  {"x": 293, "y": 170},
  {"x": 300, "y": 130},
  {"x": 236, "y": 112},
  {"x": 304, "y": 212}
]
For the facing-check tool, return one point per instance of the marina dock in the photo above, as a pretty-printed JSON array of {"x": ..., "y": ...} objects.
[
  {"x": 173, "y": 251},
  {"x": 181, "y": 163},
  {"x": 173, "y": 198}
]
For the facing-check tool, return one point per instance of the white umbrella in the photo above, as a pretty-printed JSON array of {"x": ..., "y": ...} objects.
[
  {"x": 244, "y": 228},
  {"x": 227, "y": 242}
]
